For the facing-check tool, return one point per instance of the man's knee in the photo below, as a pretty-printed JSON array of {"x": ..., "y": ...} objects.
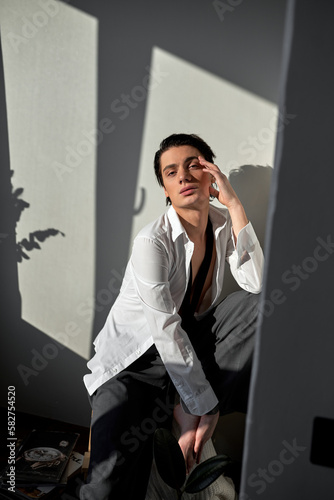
[{"x": 249, "y": 310}]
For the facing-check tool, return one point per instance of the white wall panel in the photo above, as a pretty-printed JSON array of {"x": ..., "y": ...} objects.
[
  {"x": 238, "y": 125},
  {"x": 50, "y": 66}
]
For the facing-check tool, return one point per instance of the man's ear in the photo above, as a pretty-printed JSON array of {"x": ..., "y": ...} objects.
[{"x": 168, "y": 200}]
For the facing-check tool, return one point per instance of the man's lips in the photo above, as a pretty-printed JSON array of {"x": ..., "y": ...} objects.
[{"x": 188, "y": 189}]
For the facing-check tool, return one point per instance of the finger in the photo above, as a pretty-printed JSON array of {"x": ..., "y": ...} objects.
[
  {"x": 199, "y": 443},
  {"x": 204, "y": 161},
  {"x": 215, "y": 174},
  {"x": 188, "y": 453},
  {"x": 208, "y": 164},
  {"x": 199, "y": 453}
]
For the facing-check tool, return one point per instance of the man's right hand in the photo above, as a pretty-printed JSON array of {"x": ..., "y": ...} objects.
[
  {"x": 204, "y": 431},
  {"x": 188, "y": 426}
]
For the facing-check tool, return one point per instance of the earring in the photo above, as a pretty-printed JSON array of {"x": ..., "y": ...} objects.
[{"x": 214, "y": 185}]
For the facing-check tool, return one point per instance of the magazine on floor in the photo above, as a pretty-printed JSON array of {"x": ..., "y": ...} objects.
[{"x": 43, "y": 457}]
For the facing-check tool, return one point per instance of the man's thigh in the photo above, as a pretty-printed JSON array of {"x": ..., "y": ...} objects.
[
  {"x": 124, "y": 408},
  {"x": 225, "y": 342},
  {"x": 234, "y": 326}
]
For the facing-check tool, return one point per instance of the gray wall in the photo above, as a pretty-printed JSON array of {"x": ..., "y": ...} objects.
[
  {"x": 290, "y": 425},
  {"x": 244, "y": 48}
]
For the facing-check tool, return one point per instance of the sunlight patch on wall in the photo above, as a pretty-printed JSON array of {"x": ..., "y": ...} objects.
[
  {"x": 238, "y": 125},
  {"x": 50, "y": 66}
]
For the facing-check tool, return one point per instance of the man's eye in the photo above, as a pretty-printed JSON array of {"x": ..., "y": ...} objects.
[
  {"x": 170, "y": 173},
  {"x": 194, "y": 165}
]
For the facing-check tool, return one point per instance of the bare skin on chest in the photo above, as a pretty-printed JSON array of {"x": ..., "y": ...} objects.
[{"x": 196, "y": 261}]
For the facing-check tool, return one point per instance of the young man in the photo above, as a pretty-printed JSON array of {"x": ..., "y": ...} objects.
[{"x": 169, "y": 327}]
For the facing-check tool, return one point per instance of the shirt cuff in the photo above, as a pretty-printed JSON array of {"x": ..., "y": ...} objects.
[
  {"x": 211, "y": 412},
  {"x": 246, "y": 243}
]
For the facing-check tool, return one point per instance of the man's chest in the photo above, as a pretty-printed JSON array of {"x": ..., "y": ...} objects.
[{"x": 196, "y": 262}]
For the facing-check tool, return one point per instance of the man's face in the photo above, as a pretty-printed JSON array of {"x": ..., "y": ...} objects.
[{"x": 184, "y": 180}]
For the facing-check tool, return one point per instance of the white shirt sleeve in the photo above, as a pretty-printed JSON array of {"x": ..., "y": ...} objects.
[
  {"x": 150, "y": 268},
  {"x": 246, "y": 259}
]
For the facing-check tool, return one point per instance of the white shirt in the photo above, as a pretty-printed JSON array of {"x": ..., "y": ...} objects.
[{"x": 152, "y": 291}]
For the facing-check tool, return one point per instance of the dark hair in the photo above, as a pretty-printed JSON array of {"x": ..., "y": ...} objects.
[{"x": 176, "y": 140}]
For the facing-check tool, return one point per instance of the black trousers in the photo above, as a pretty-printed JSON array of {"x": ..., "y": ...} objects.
[{"x": 129, "y": 407}]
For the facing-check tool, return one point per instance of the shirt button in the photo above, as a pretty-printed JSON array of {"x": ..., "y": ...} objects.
[
  {"x": 115, "y": 370},
  {"x": 138, "y": 351}
]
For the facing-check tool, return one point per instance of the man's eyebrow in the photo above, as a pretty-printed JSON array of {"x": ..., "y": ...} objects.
[{"x": 173, "y": 165}]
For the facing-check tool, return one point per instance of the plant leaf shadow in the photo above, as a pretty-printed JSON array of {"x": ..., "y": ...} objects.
[{"x": 35, "y": 237}]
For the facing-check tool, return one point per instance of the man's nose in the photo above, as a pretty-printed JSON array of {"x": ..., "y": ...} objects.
[{"x": 184, "y": 174}]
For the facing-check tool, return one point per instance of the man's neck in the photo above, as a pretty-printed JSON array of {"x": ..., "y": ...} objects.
[{"x": 194, "y": 222}]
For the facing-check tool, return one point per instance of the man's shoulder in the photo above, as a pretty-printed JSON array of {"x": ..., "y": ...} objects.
[
  {"x": 156, "y": 228},
  {"x": 167, "y": 228}
]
